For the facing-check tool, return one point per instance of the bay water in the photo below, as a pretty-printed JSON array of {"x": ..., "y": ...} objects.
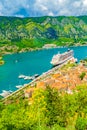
[{"x": 30, "y": 63}]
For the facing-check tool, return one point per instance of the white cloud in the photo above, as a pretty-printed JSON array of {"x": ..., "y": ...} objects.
[
  {"x": 21, "y": 16},
  {"x": 61, "y": 1},
  {"x": 85, "y": 3},
  {"x": 50, "y": 14},
  {"x": 54, "y": 7},
  {"x": 84, "y": 7},
  {"x": 66, "y": 7},
  {"x": 42, "y": 7},
  {"x": 77, "y": 4},
  {"x": 65, "y": 12},
  {"x": 10, "y": 7}
]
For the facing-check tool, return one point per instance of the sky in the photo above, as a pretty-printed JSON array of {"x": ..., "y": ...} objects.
[{"x": 35, "y": 8}]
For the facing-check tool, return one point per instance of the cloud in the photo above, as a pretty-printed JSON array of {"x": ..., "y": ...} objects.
[
  {"x": 84, "y": 9},
  {"x": 64, "y": 12},
  {"x": 50, "y": 14},
  {"x": 17, "y": 15},
  {"x": 11, "y": 7},
  {"x": 61, "y": 7},
  {"x": 85, "y": 3},
  {"x": 42, "y": 7},
  {"x": 77, "y": 4}
]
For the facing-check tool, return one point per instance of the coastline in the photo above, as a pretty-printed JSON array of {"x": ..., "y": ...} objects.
[
  {"x": 37, "y": 49},
  {"x": 23, "y": 50}
]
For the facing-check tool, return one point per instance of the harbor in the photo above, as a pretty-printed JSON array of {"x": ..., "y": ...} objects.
[
  {"x": 29, "y": 64},
  {"x": 21, "y": 89}
]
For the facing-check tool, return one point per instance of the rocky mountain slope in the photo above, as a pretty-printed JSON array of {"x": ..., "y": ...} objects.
[{"x": 37, "y": 31}]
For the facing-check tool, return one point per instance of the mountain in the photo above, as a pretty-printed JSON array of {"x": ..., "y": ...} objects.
[{"x": 36, "y": 31}]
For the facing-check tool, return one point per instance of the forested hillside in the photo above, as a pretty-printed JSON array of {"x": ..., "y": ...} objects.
[
  {"x": 37, "y": 31},
  {"x": 47, "y": 110}
]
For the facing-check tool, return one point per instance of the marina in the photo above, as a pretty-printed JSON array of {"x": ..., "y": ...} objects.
[
  {"x": 29, "y": 64},
  {"x": 32, "y": 83}
]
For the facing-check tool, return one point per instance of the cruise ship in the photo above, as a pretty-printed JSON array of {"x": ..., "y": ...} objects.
[{"x": 61, "y": 58}]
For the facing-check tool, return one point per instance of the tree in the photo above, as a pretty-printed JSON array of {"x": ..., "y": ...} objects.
[
  {"x": 81, "y": 123},
  {"x": 55, "y": 113}
]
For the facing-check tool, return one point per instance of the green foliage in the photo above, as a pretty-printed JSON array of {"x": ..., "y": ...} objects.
[
  {"x": 81, "y": 123},
  {"x": 68, "y": 65},
  {"x": 84, "y": 61},
  {"x": 81, "y": 98},
  {"x": 82, "y": 75},
  {"x": 1, "y": 106},
  {"x": 1, "y": 61},
  {"x": 48, "y": 109},
  {"x": 55, "y": 113}
]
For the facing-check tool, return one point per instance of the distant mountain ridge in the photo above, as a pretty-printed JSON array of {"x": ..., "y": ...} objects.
[{"x": 36, "y": 31}]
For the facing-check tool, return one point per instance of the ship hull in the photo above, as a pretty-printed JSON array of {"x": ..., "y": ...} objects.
[
  {"x": 61, "y": 62},
  {"x": 61, "y": 58}
]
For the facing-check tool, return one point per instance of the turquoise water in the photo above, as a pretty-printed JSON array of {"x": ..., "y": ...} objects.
[{"x": 30, "y": 63}]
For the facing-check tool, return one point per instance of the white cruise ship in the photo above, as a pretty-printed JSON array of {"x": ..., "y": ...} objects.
[{"x": 61, "y": 58}]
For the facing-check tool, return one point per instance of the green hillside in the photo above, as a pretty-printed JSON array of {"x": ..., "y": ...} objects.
[{"x": 34, "y": 32}]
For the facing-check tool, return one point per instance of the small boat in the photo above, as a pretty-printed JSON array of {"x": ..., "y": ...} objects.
[
  {"x": 5, "y": 93},
  {"x": 36, "y": 75},
  {"x": 27, "y": 77},
  {"x": 21, "y": 76},
  {"x": 10, "y": 91},
  {"x": 25, "y": 85},
  {"x": 19, "y": 86}
]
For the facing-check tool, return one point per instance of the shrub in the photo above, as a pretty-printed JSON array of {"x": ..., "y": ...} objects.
[
  {"x": 81, "y": 123},
  {"x": 82, "y": 75}
]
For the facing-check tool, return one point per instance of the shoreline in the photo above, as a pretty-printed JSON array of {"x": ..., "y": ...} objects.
[
  {"x": 24, "y": 50},
  {"x": 38, "y": 49}
]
